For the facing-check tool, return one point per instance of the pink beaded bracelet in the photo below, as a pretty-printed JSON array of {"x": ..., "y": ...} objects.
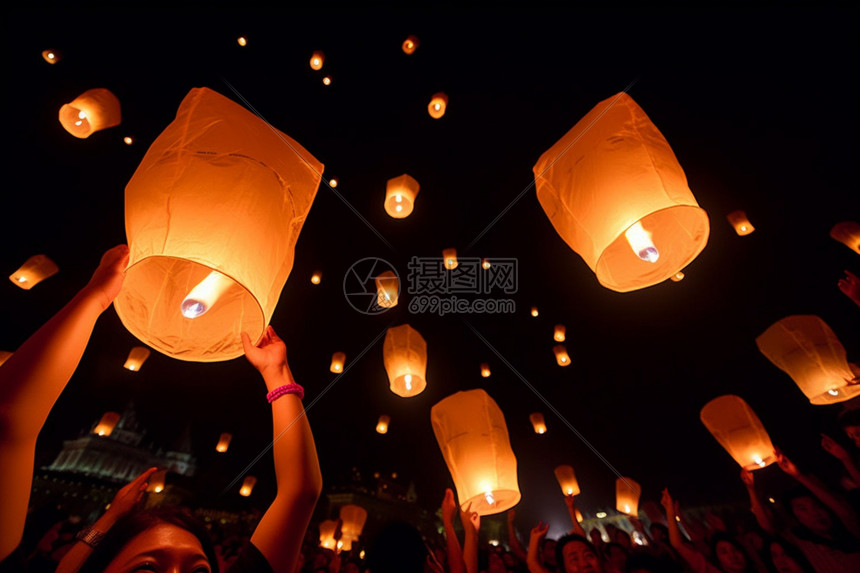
[{"x": 286, "y": 389}]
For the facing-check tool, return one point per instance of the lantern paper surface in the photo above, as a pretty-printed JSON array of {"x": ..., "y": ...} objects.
[
  {"x": 410, "y": 44},
  {"x": 740, "y": 223},
  {"x": 136, "y": 357},
  {"x": 404, "y": 354},
  {"x": 615, "y": 169},
  {"x": 677, "y": 277},
  {"x": 219, "y": 191},
  {"x": 437, "y": 106},
  {"x": 538, "y": 423},
  {"x": 107, "y": 423},
  {"x": 805, "y": 348},
  {"x": 627, "y": 494},
  {"x": 382, "y": 424},
  {"x": 737, "y": 428},
  {"x": 400, "y": 194},
  {"x": 157, "y": 481},
  {"x": 485, "y": 370},
  {"x": 51, "y": 56},
  {"x": 472, "y": 434},
  {"x": 387, "y": 289},
  {"x": 352, "y": 518},
  {"x": 449, "y": 257},
  {"x": 559, "y": 333},
  {"x": 337, "y": 361},
  {"x": 224, "y": 442},
  {"x": 4, "y": 356},
  {"x": 36, "y": 269},
  {"x": 317, "y": 59},
  {"x": 328, "y": 528},
  {"x": 247, "y": 486},
  {"x": 561, "y": 356},
  {"x": 92, "y": 111},
  {"x": 567, "y": 480},
  {"x": 534, "y": 311},
  {"x": 847, "y": 233},
  {"x": 316, "y": 278}
]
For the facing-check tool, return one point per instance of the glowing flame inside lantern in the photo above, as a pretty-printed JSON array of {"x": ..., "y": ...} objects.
[
  {"x": 833, "y": 392},
  {"x": 758, "y": 461},
  {"x": 205, "y": 294},
  {"x": 82, "y": 115},
  {"x": 489, "y": 497},
  {"x": 640, "y": 242},
  {"x": 408, "y": 381}
]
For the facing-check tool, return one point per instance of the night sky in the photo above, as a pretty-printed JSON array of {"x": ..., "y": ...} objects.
[{"x": 759, "y": 106}]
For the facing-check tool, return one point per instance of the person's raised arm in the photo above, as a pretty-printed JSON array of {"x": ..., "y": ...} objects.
[
  {"x": 570, "y": 502},
  {"x": 513, "y": 540},
  {"x": 472, "y": 524},
  {"x": 33, "y": 378},
  {"x": 691, "y": 556},
  {"x": 759, "y": 510},
  {"x": 453, "y": 551},
  {"x": 281, "y": 531},
  {"x": 833, "y": 448},
  {"x": 533, "y": 557},
  {"x": 850, "y": 286}
]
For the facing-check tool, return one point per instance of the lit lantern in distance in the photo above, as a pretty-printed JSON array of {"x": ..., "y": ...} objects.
[
  {"x": 247, "y": 486},
  {"x": 157, "y": 482},
  {"x": 450, "y": 258},
  {"x": 485, "y": 370},
  {"x": 136, "y": 357},
  {"x": 107, "y": 423},
  {"x": 485, "y": 264},
  {"x": 737, "y": 428},
  {"x": 317, "y": 59},
  {"x": 128, "y": 140},
  {"x": 382, "y": 424},
  {"x": 51, "y": 56},
  {"x": 847, "y": 233},
  {"x": 332, "y": 182},
  {"x": 92, "y": 111},
  {"x": 242, "y": 41},
  {"x": 400, "y": 193},
  {"x": 410, "y": 44},
  {"x": 567, "y": 480},
  {"x": 561, "y": 356},
  {"x": 579, "y": 517},
  {"x": 534, "y": 311},
  {"x": 538, "y": 423},
  {"x": 352, "y": 518},
  {"x": 224, "y": 442},
  {"x": 316, "y": 278},
  {"x": 4, "y": 356},
  {"x": 438, "y": 104},
  {"x": 387, "y": 289},
  {"x": 404, "y": 354},
  {"x": 337, "y": 361},
  {"x": 559, "y": 333},
  {"x": 326, "y": 80},
  {"x": 472, "y": 434},
  {"x": 805, "y": 348},
  {"x": 677, "y": 277},
  {"x": 36, "y": 269},
  {"x": 627, "y": 494},
  {"x": 328, "y": 529},
  {"x": 742, "y": 225}
]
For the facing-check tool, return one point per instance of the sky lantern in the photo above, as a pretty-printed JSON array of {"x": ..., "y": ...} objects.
[
  {"x": 485, "y": 370},
  {"x": 449, "y": 257},
  {"x": 567, "y": 480},
  {"x": 242, "y": 41},
  {"x": 247, "y": 486},
  {"x": 51, "y": 56},
  {"x": 212, "y": 215},
  {"x": 316, "y": 278},
  {"x": 738, "y": 220},
  {"x": 538, "y": 423},
  {"x": 534, "y": 311},
  {"x": 317, "y": 59},
  {"x": 847, "y": 233},
  {"x": 136, "y": 357},
  {"x": 561, "y": 355},
  {"x": 328, "y": 529},
  {"x": 737, "y": 428},
  {"x": 805, "y": 348},
  {"x": 36, "y": 269},
  {"x": 382, "y": 424},
  {"x": 400, "y": 193},
  {"x": 410, "y": 44},
  {"x": 352, "y": 518},
  {"x": 337, "y": 361},
  {"x": 128, "y": 140},
  {"x": 107, "y": 423},
  {"x": 387, "y": 289},
  {"x": 157, "y": 482},
  {"x": 616, "y": 194},
  {"x": 326, "y": 80},
  {"x": 473, "y": 437},
  {"x": 438, "y": 104},
  {"x": 559, "y": 333},
  {"x": 404, "y": 354},
  {"x": 579, "y": 517},
  {"x": 485, "y": 264},
  {"x": 677, "y": 277},
  {"x": 92, "y": 111},
  {"x": 4, "y": 356},
  {"x": 627, "y": 494},
  {"x": 224, "y": 442}
]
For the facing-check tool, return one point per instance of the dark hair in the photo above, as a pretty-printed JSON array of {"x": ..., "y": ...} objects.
[
  {"x": 564, "y": 540},
  {"x": 659, "y": 527},
  {"x": 725, "y": 537},
  {"x": 789, "y": 549},
  {"x": 850, "y": 417},
  {"x": 613, "y": 545},
  {"x": 398, "y": 548},
  {"x": 639, "y": 561},
  {"x": 135, "y": 523},
  {"x": 841, "y": 539}
]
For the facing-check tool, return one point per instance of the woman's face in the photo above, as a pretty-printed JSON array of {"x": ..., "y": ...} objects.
[
  {"x": 164, "y": 548},
  {"x": 781, "y": 560},
  {"x": 729, "y": 558},
  {"x": 580, "y": 558},
  {"x": 811, "y": 515}
]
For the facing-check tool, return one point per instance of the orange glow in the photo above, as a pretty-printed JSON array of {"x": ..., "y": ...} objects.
[
  {"x": 437, "y": 106},
  {"x": 352, "y": 518},
  {"x": 224, "y": 442},
  {"x": 847, "y": 233},
  {"x": 382, "y": 424},
  {"x": 485, "y": 370},
  {"x": 4, "y": 356},
  {"x": 247, "y": 486},
  {"x": 92, "y": 111},
  {"x": 535, "y": 311},
  {"x": 316, "y": 278},
  {"x": 627, "y": 494},
  {"x": 742, "y": 225},
  {"x": 387, "y": 289},
  {"x": 317, "y": 59},
  {"x": 677, "y": 277},
  {"x": 404, "y": 354},
  {"x": 559, "y": 333},
  {"x": 737, "y": 428},
  {"x": 450, "y": 258},
  {"x": 328, "y": 530},
  {"x": 51, "y": 56},
  {"x": 242, "y": 41},
  {"x": 136, "y": 357},
  {"x": 107, "y": 423},
  {"x": 157, "y": 482},
  {"x": 36, "y": 269},
  {"x": 538, "y": 423},
  {"x": 410, "y": 44},
  {"x": 561, "y": 355},
  {"x": 567, "y": 480},
  {"x": 326, "y": 80},
  {"x": 485, "y": 264},
  {"x": 400, "y": 194},
  {"x": 128, "y": 140},
  {"x": 337, "y": 361}
]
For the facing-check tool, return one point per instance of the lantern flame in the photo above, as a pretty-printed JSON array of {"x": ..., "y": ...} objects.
[
  {"x": 833, "y": 392},
  {"x": 203, "y": 296},
  {"x": 640, "y": 242},
  {"x": 408, "y": 381},
  {"x": 489, "y": 497}
]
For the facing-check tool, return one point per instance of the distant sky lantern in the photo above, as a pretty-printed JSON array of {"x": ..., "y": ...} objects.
[
  {"x": 128, "y": 140},
  {"x": 485, "y": 264},
  {"x": 736, "y": 427},
  {"x": 561, "y": 355},
  {"x": 317, "y": 59},
  {"x": 485, "y": 370},
  {"x": 157, "y": 482},
  {"x": 92, "y": 111},
  {"x": 51, "y": 56},
  {"x": 627, "y": 494},
  {"x": 847, "y": 233},
  {"x": 567, "y": 480},
  {"x": 538, "y": 423},
  {"x": 559, "y": 333},
  {"x": 677, "y": 277},
  {"x": 382, "y": 424},
  {"x": 136, "y": 357},
  {"x": 534, "y": 311},
  {"x": 449, "y": 257},
  {"x": 337, "y": 361},
  {"x": 107, "y": 423},
  {"x": 352, "y": 518},
  {"x": 616, "y": 194},
  {"x": 242, "y": 41},
  {"x": 328, "y": 528},
  {"x": 400, "y": 194},
  {"x": 410, "y": 44},
  {"x": 404, "y": 354},
  {"x": 805, "y": 348},
  {"x": 472, "y": 434},
  {"x": 326, "y": 80},
  {"x": 579, "y": 517},
  {"x": 36, "y": 269},
  {"x": 4, "y": 356},
  {"x": 332, "y": 182},
  {"x": 224, "y": 442},
  {"x": 387, "y": 289},
  {"x": 742, "y": 225},
  {"x": 316, "y": 278},
  {"x": 438, "y": 104},
  {"x": 212, "y": 215},
  {"x": 247, "y": 486}
]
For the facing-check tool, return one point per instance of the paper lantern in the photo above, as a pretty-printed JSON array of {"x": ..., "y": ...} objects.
[
  {"x": 485, "y": 370},
  {"x": 128, "y": 140},
  {"x": 534, "y": 311},
  {"x": 92, "y": 111},
  {"x": 352, "y": 518},
  {"x": 616, "y": 194},
  {"x": 404, "y": 354},
  {"x": 387, "y": 289},
  {"x": 316, "y": 278},
  {"x": 224, "y": 442},
  {"x": 410, "y": 44},
  {"x": 217, "y": 203},
  {"x": 157, "y": 482},
  {"x": 485, "y": 264},
  {"x": 51, "y": 56},
  {"x": 677, "y": 277},
  {"x": 4, "y": 356},
  {"x": 579, "y": 517},
  {"x": 242, "y": 41},
  {"x": 538, "y": 423},
  {"x": 736, "y": 427},
  {"x": 337, "y": 361},
  {"x": 473, "y": 437},
  {"x": 805, "y": 348},
  {"x": 107, "y": 423},
  {"x": 317, "y": 59},
  {"x": 742, "y": 225},
  {"x": 449, "y": 257},
  {"x": 382, "y": 424},
  {"x": 36, "y": 269},
  {"x": 561, "y": 355},
  {"x": 847, "y": 233},
  {"x": 567, "y": 480},
  {"x": 559, "y": 333},
  {"x": 627, "y": 494},
  {"x": 400, "y": 193},
  {"x": 247, "y": 486},
  {"x": 326, "y": 80},
  {"x": 438, "y": 104},
  {"x": 136, "y": 357},
  {"x": 328, "y": 529}
]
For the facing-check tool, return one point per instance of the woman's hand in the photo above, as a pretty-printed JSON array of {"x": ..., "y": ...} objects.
[
  {"x": 107, "y": 278},
  {"x": 269, "y": 356},
  {"x": 128, "y": 496},
  {"x": 449, "y": 507},
  {"x": 786, "y": 464},
  {"x": 538, "y": 532}
]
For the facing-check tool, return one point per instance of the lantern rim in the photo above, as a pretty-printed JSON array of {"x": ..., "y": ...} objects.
[{"x": 504, "y": 499}]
